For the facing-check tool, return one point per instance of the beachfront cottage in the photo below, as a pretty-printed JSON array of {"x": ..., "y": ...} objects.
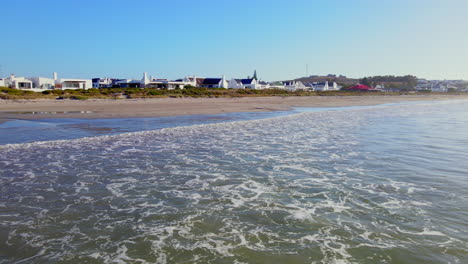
[
  {"x": 262, "y": 85},
  {"x": 71, "y": 84},
  {"x": 277, "y": 85},
  {"x": 103, "y": 82},
  {"x": 18, "y": 82},
  {"x": 127, "y": 83},
  {"x": 294, "y": 85},
  {"x": 212, "y": 82},
  {"x": 249, "y": 83},
  {"x": 166, "y": 84},
  {"x": 42, "y": 83},
  {"x": 235, "y": 84},
  {"x": 190, "y": 81},
  {"x": 322, "y": 86}
]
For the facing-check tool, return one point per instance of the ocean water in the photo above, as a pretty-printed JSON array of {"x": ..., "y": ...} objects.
[
  {"x": 24, "y": 131},
  {"x": 386, "y": 184}
]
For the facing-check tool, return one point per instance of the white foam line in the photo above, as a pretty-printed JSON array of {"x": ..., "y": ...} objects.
[{"x": 172, "y": 129}]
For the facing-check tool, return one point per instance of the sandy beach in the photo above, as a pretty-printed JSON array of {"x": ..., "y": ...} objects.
[{"x": 159, "y": 107}]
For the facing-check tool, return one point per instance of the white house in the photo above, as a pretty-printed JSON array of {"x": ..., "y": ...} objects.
[
  {"x": 380, "y": 87},
  {"x": 128, "y": 83},
  {"x": 2, "y": 82},
  {"x": 212, "y": 82},
  {"x": 102, "y": 82},
  {"x": 18, "y": 82},
  {"x": 235, "y": 84},
  {"x": 72, "y": 84},
  {"x": 248, "y": 83},
  {"x": 323, "y": 86},
  {"x": 262, "y": 85},
  {"x": 42, "y": 83},
  {"x": 166, "y": 83},
  {"x": 293, "y": 85},
  {"x": 439, "y": 87},
  {"x": 333, "y": 86},
  {"x": 192, "y": 81},
  {"x": 277, "y": 85}
]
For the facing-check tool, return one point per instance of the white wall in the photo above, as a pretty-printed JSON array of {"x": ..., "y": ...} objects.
[
  {"x": 42, "y": 83},
  {"x": 84, "y": 84}
]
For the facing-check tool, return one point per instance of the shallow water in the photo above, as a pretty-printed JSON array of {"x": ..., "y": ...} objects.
[
  {"x": 379, "y": 185},
  {"x": 25, "y": 131}
]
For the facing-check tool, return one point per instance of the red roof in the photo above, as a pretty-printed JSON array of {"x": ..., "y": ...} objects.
[{"x": 360, "y": 87}]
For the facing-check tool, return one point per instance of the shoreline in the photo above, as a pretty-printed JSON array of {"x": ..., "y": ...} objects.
[{"x": 163, "y": 107}]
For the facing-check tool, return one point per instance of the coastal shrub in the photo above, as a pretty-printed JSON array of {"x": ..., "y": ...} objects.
[
  {"x": 130, "y": 91},
  {"x": 155, "y": 92},
  {"x": 11, "y": 91}
]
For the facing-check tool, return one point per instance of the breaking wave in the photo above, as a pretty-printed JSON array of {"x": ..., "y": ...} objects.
[{"x": 358, "y": 186}]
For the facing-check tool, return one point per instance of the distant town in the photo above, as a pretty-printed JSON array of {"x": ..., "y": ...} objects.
[{"x": 330, "y": 82}]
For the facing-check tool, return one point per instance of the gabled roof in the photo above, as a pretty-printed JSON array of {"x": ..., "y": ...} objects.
[
  {"x": 200, "y": 81},
  {"x": 246, "y": 81},
  {"x": 321, "y": 83},
  {"x": 211, "y": 81}
]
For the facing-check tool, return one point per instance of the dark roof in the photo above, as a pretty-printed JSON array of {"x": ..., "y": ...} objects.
[
  {"x": 263, "y": 83},
  {"x": 211, "y": 81},
  {"x": 246, "y": 81}
]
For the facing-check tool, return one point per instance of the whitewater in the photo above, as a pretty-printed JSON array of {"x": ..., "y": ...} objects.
[{"x": 383, "y": 184}]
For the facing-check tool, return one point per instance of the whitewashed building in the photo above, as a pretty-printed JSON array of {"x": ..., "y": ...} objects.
[
  {"x": 128, "y": 83},
  {"x": 103, "y": 82},
  {"x": 42, "y": 83},
  {"x": 235, "y": 84},
  {"x": 212, "y": 82},
  {"x": 322, "y": 86},
  {"x": 166, "y": 83},
  {"x": 262, "y": 85},
  {"x": 18, "y": 82},
  {"x": 294, "y": 85},
  {"x": 71, "y": 84}
]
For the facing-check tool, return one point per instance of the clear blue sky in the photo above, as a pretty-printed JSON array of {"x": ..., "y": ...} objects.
[{"x": 122, "y": 38}]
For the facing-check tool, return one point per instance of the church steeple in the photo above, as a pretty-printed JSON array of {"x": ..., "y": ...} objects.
[{"x": 255, "y": 75}]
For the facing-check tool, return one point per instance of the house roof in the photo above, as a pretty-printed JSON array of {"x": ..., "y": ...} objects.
[
  {"x": 246, "y": 81},
  {"x": 211, "y": 81},
  {"x": 321, "y": 83}
]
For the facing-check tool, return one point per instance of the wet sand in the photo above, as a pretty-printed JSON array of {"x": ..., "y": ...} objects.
[{"x": 159, "y": 107}]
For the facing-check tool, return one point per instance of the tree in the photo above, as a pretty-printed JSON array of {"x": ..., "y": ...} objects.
[{"x": 366, "y": 81}]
